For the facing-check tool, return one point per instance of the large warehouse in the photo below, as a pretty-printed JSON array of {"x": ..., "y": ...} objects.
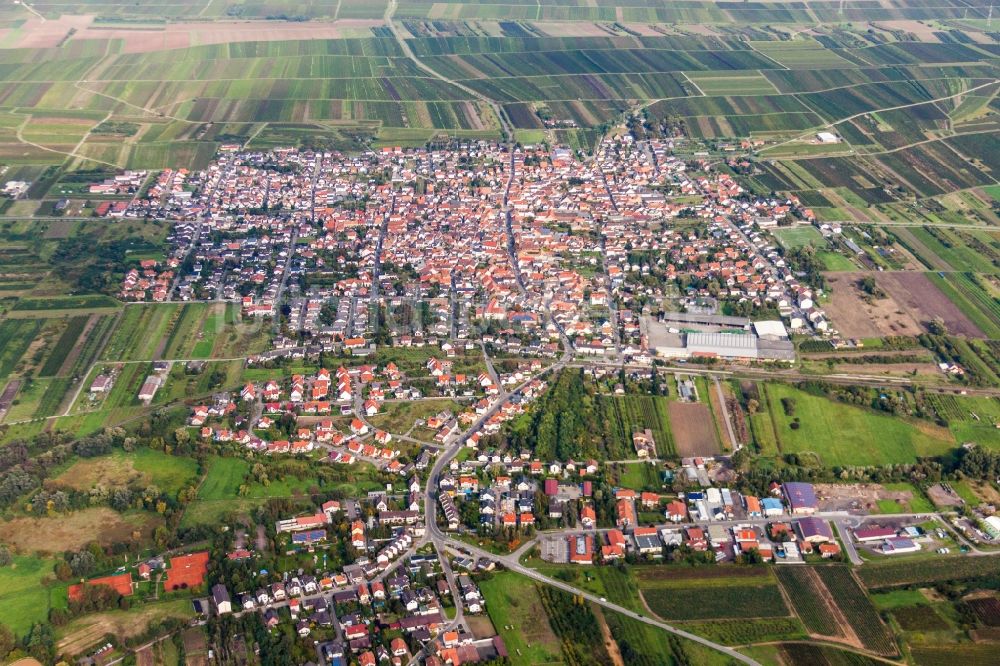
[
  {"x": 768, "y": 342},
  {"x": 725, "y": 345}
]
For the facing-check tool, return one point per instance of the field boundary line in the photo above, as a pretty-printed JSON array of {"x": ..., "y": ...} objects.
[{"x": 833, "y": 124}]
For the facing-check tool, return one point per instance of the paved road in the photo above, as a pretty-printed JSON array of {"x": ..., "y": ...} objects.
[
  {"x": 441, "y": 541},
  {"x": 511, "y": 562}
]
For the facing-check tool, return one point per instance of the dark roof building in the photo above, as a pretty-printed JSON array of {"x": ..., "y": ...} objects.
[
  {"x": 801, "y": 497},
  {"x": 814, "y": 530}
]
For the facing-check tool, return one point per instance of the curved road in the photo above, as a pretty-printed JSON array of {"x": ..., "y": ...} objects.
[{"x": 511, "y": 562}]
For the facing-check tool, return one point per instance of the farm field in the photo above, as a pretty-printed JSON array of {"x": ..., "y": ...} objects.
[
  {"x": 636, "y": 413},
  {"x": 970, "y": 292},
  {"x": 694, "y": 429},
  {"x": 811, "y": 601},
  {"x": 337, "y": 65},
  {"x": 970, "y": 418},
  {"x": 917, "y": 295},
  {"x": 141, "y": 331},
  {"x": 852, "y": 600},
  {"x": 842, "y": 434},
  {"x": 516, "y": 610},
  {"x": 889, "y": 574},
  {"x": 753, "y": 593}
]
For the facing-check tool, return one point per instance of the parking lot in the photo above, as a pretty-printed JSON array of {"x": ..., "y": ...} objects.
[{"x": 554, "y": 549}]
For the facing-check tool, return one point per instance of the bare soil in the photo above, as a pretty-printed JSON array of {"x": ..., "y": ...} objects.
[
  {"x": 183, "y": 35},
  {"x": 7, "y": 397},
  {"x": 916, "y": 294},
  {"x": 481, "y": 626},
  {"x": 694, "y": 429},
  {"x": 943, "y": 498},
  {"x": 856, "y": 317},
  {"x": 855, "y": 496},
  {"x": 609, "y": 642},
  {"x": 144, "y": 657}
]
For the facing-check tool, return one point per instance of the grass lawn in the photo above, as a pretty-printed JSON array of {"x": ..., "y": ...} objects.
[
  {"x": 639, "y": 476},
  {"x": 842, "y": 434},
  {"x": 144, "y": 466},
  {"x": 219, "y": 493},
  {"x": 965, "y": 491},
  {"x": 223, "y": 478},
  {"x": 898, "y": 599},
  {"x": 23, "y": 599},
  {"x": 792, "y": 237},
  {"x": 398, "y": 417},
  {"x": 516, "y": 610},
  {"x": 834, "y": 261},
  {"x": 917, "y": 504}
]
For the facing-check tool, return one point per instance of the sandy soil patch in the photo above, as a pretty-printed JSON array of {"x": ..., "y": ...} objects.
[
  {"x": 856, "y": 318},
  {"x": 693, "y": 428},
  {"x": 182, "y": 35},
  {"x": 923, "y": 31},
  {"x": 39, "y": 34},
  {"x": 609, "y": 642}
]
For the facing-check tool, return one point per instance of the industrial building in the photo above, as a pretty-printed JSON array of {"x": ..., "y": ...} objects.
[{"x": 709, "y": 336}]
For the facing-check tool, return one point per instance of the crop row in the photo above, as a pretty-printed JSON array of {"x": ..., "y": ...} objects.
[
  {"x": 734, "y": 601},
  {"x": 852, "y": 600},
  {"x": 15, "y": 337},
  {"x": 899, "y": 573},
  {"x": 63, "y": 346},
  {"x": 801, "y": 586}
]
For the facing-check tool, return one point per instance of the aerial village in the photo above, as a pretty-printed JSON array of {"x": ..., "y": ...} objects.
[
  {"x": 493, "y": 251},
  {"x": 338, "y": 238}
]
